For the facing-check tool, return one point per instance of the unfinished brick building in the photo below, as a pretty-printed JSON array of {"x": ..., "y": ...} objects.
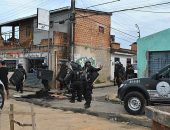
[{"x": 92, "y": 40}]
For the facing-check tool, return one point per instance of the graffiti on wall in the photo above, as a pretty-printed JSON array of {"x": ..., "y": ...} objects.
[{"x": 82, "y": 60}]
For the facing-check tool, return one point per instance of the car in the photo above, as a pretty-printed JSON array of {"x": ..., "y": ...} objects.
[
  {"x": 2, "y": 94},
  {"x": 139, "y": 92}
]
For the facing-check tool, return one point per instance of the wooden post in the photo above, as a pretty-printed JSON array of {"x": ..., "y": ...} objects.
[
  {"x": 33, "y": 118},
  {"x": 11, "y": 117},
  {"x": 55, "y": 69},
  {"x": 0, "y": 119}
]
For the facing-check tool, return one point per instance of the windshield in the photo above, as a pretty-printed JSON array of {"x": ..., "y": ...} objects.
[{"x": 163, "y": 71}]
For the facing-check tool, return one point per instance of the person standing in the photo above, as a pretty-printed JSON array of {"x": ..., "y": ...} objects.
[
  {"x": 4, "y": 76},
  {"x": 119, "y": 73},
  {"x": 129, "y": 71},
  {"x": 90, "y": 75},
  {"x": 45, "y": 81},
  {"x": 19, "y": 85},
  {"x": 76, "y": 85}
]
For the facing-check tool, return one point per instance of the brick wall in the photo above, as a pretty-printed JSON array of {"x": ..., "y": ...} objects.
[
  {"x": 92, "y": 31},
  {"x": 60, "y": 38},
  {"x": 25, "y": 33},
  {"x": 115, "y": 45},
  {"x": 134, "y": 47},
  {"x": 1, "y": 41},
  {"x": 92, "y": 39}
]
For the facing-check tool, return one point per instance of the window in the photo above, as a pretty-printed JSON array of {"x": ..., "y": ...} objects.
[
  {"x": 101, "y": 29},
  {"x": 117, "y": 59},
  {"x": 129, "y": 60},
  {"x": 165, "y": 74},
  {"x": 11, "y": 65}
]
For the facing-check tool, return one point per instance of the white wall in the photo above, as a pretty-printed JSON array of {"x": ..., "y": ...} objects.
[{"x": 123, "y": 59}]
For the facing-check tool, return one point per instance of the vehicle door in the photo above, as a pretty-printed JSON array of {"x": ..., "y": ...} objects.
[{"x": 163, "y": 85}]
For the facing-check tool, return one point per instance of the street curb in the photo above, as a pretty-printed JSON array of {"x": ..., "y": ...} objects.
[
  {"x": 110, "y": 116},
  {"x": 103, "y": 86}
]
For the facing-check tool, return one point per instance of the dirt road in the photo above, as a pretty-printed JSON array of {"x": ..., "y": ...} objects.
[{"x": 51, "y": 119}]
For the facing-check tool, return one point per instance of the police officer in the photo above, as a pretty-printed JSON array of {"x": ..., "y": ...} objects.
[
  {"x": 90, "y": 73},
  {"x": 19, "y": 85},
  {"x": 4, "y": 76},
  {"x": 129, "y": 71},
  {"x": 76, "y": 85},
  {"x": 45, "y": 81},
  {"x": 119, "y": 73}
]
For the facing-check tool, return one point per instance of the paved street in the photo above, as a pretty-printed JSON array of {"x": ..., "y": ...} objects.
[{"x": 54, "y": 119}]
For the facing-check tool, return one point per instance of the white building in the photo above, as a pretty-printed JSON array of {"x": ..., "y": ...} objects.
[{"x": 123, "y": 55}]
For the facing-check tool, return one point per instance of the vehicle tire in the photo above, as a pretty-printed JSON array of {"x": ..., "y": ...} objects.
[
  {"x": 134, "y": 103},
  {"x": 2, "y": 98}
]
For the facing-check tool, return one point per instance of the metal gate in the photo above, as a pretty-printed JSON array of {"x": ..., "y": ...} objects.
[{"x": 158, "y": 60}]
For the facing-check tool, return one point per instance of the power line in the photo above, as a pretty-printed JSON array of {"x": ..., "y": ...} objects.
[
  {"x": 123, "y": 39},
  {"x": 148, "y": 11},
  {"x": 110, "y": 27},
  {"x": 140, "y": 7},
  {"x": 103, "y": 4},
  {"x": 20, "y": 10}
]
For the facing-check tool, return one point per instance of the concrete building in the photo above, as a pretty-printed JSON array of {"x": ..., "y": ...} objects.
[
  {"x": 30, "y": 46},
  {"x": 153, "y": 53},
  {"x": 123, "y": 55}
]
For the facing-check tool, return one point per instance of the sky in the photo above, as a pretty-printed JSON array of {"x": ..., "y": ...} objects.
[{"x": 124, "y": 25}]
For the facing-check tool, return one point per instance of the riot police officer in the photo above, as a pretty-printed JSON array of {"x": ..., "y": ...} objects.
[
  {"x": 89, "y": 77},
  {"x": 19, "y": 85},
  {"x": 76, "y": 86},
  {"x": 4, "y": 76},
  {"x": 45, "y": 81},
  {"x": 119, "y": 73}
]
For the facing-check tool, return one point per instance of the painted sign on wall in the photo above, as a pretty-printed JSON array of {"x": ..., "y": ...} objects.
[{"x": 82, "y": 60}]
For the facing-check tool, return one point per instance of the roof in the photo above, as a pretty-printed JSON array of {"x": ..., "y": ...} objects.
[
  {"x": 122, "y": 50},
  {"x": 67, "y": 8},
  {"x": 155, "y": 35}
]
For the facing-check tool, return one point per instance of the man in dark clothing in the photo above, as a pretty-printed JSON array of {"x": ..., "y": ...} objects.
[
  {"x": 119, "y": 73},
  {"x": 129, "y": 71},
  {"x": 90, "y": 75},
  {"x": 4, "y": 76},
  {"x": 45, "y": 81},
  {"x": 19, "y": 85},
  {"x": 76, "y": 86}
]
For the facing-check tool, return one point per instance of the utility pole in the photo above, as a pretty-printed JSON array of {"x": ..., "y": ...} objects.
[
  {"x": 72, "y": 31},
  {"x": 138, "y": 30}
]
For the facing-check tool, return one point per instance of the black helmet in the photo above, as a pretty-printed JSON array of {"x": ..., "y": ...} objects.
[
  {"x": 44, "y": 65},
  {"x": 20, "y": 66},
  {"x": 87, "y": 63}
]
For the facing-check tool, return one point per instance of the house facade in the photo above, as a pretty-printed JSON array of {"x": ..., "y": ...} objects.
[
  {"x": 122, "y": 55},
  {"x": 153, "y": 53},
  {"x": 31, "y": 46}
]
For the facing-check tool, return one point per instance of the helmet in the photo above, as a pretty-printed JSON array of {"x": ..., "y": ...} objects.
[
  {"x": 20, "y": 66},
  {"x": 87, "y": 63},
  {"x": 117, "y": 62},
  {"x": 44, "y": 65}
]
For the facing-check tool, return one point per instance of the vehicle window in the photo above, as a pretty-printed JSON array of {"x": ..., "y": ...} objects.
[{"x": 165, "y": 74}]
